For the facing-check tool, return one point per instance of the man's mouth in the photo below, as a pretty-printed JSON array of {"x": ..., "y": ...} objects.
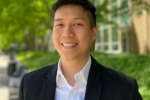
[{"x": 69, "y": 44}]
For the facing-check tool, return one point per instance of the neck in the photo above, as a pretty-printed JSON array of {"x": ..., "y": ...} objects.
[{"x": 72, "y": 67}]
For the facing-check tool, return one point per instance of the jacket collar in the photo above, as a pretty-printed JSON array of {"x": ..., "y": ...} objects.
[
  {"x": 49, "y": 85},
  {"x": 94, "y": 85}
]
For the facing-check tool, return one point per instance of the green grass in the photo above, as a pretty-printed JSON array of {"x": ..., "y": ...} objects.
[
  {"x": 136, "y": 66},
  {"x": 36, "y": 60}
]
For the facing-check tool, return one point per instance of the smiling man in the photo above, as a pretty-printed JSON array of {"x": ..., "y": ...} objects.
[{"x": 77, "y": 75}]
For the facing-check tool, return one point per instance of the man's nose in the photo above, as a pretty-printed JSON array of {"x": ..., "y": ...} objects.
[{"x": 68, "y": 31}]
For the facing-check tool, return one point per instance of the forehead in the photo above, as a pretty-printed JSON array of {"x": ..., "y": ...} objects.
[{"x": 70, "y": 11}]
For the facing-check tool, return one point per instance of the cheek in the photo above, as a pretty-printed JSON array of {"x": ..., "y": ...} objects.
[
  {"x": 56, "y": 33},
  {"x": 85, "y": 37},
  {"x": 55, "y": 37}
]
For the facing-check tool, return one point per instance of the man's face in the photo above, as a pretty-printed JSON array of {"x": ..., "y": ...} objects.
[{"x": 72, "y": 35}]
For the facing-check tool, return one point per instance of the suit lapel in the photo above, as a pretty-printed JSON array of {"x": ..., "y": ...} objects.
[
  {"x": 49, "y": 85},
  {"x": 94, "y": 85}
]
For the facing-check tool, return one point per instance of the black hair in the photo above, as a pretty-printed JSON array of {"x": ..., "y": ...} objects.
[{"x": 87, "y": 5}]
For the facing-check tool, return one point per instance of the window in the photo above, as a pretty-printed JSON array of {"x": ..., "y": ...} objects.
[
  {"x": 106, "y": 40},
  {"x": 114, "y": 40},
  {"x": 125, "y": 42}
]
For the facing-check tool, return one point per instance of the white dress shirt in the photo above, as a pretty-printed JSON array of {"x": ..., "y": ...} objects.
[{"x": 66, "y": 92}]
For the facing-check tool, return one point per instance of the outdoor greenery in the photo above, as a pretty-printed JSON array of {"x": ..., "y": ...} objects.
[
  {"x": 23, "y": 20},
  {"x": 136, "y": 66},
  {"x": 0, "y": 51},
  {"x": 27, "y": 21}
]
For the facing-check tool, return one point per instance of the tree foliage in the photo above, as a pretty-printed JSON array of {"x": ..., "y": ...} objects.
[
  {"x": 126, "y": 7},
  {"x": 23, "y": 20},
  {"x": 20, "y": 19}
]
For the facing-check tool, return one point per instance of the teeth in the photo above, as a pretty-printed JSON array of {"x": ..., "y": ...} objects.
[{"x": 69, "y": 44}]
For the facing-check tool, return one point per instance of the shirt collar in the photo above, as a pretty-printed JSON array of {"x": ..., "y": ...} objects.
[{"x": 84, "y": 71}]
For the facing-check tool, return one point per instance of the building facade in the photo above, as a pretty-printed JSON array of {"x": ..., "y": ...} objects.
[{"x": 131, "y": 35}]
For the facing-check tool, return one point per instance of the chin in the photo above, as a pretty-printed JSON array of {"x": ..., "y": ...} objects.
[{"x": 69, "y": 56}]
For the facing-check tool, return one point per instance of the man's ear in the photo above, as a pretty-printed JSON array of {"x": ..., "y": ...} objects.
[{"x": 94, "y": 33}]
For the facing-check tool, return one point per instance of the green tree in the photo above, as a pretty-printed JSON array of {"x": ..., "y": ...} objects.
[
  {"x": 22, "y": 20},
  {"x": 130, "y": 6}
]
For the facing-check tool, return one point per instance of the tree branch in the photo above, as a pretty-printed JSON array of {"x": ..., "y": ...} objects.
[{"x": 48, "y": 9}]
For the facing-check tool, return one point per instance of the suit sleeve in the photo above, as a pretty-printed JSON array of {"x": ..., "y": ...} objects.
[
  {"x": 135, "y": 95},
  {"x": 21, "y": 90}
]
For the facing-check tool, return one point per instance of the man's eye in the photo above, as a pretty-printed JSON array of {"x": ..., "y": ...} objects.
[
  {"x": 77, "y": 24},
  {"x": 59, "y": 25}
]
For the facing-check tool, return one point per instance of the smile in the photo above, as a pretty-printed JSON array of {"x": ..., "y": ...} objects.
[{"x": 69, "y": 44}]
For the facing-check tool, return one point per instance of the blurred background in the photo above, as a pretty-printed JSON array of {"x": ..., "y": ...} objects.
[{"x": 123, "y": 41}]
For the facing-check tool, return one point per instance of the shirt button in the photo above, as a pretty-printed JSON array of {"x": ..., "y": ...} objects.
[
  {"x": 72, "y": 92},
  {"x": 78, "y": 77}
]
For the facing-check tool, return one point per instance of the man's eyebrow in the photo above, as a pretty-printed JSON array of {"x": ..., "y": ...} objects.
[
  {"x": 58, "y": 19},
  {"x": 79, "y": 18}
]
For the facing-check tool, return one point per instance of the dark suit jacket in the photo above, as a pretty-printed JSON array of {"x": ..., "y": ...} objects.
[{"x": 103, "y": 84}]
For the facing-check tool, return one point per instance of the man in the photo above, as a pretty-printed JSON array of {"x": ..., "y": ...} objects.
[{"x": 76, "y": 76}]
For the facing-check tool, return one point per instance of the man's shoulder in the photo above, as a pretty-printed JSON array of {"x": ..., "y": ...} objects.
[
  {"x": 116, "y": 79},
  {"x": 119, "y": 84},
  {"x": 39, "y": 73},
  {"x": 115, "y": 75},
  {"x": 108, "y": 74}
]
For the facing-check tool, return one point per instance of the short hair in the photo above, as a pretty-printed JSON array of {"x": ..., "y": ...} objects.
[{"x": 87, "y": 5}]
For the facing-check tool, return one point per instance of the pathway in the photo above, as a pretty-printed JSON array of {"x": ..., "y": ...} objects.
[{"x": 4, "y": 79}]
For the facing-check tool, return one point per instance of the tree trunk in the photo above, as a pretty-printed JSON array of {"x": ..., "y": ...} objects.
[{"x": 30, "y": 42}]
